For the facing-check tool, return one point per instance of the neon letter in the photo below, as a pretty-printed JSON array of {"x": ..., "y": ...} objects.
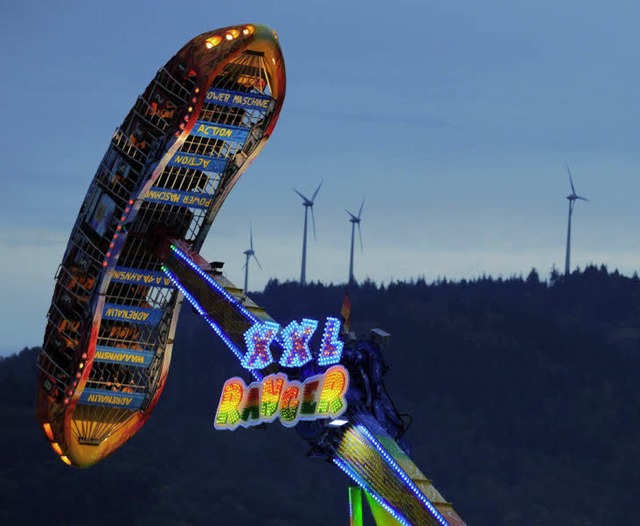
[
  {"x": 251, "y": 409},
  {"x": 289, "y": 404},
  {"x": 258, "y": 338},
  {"x": 331, "y": 350},
  {"x": 336, "y": 382},
  {"x": 295, "y": 340},
  {"x": 309, "y": 404},
  {"x": 228, "y": 414},
  {"x": 271, "y": 390}
]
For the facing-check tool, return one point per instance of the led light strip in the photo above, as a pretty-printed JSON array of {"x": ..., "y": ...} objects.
[
  {"x": 216, "y": 328},
  {"x": 410, "y": 484},
  {"x": 364, "y": 459},
  {"x": 181, "y": 255},
  {"x": 360, "y": 482}
]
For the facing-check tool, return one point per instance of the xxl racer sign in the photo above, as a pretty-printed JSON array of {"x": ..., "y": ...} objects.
[{"x": 275, "y": 396}]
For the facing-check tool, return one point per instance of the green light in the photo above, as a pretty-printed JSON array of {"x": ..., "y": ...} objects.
[
  {"x": 355, "y": 506},
  {"x": 381, "y": 516}
]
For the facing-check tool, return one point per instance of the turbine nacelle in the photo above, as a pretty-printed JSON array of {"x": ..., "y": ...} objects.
[
  {"x": 573, "y": 196},
  {"x": 353, "y": 218},
  {"x": 305, "y": 200},
  {"x": 308, "y": 203},
  {"x": 356, "y": 218}
]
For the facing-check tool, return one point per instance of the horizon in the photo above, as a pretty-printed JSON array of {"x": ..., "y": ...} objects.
[{"x": 413, "y": 281}]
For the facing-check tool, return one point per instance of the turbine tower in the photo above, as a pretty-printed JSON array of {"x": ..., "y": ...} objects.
[
  {"x": 572, "y": 197},
  {"x": 355, "y": 220},
  {"x": 308, "y": 204},
  {"x": 248, "y": 254}
]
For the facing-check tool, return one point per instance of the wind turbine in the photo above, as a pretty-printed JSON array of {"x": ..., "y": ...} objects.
[
  {"x": 307, "y": 203},
  {"x": 355, "y": 220},
  {"x": 248, "y": 254},
  {"x": 572, "y": 197}
]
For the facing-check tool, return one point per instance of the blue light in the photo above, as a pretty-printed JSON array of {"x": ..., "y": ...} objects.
[
  {"x": 360, "y": 482},
  {"x": 331, "y": 350},
  {"x": 295, "y": 341},
  {"x": 216, "y": 328},
  {"x": 396, "y": 467},
  {"x": 258, "y": 338},
  {"x": 213, "y": 283}
]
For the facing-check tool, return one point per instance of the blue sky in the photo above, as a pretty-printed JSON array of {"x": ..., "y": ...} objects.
[{"x": 455, "y": 118}]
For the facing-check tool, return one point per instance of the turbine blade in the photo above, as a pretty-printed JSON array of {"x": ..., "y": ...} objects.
[
  {"x": 581, "y": 198},
  {"x": 360, "y": 236},
  {"x": 316, "y": 192},
  {"x": 571, "y": 180},
  {"x": 251, "y": 236},
  {"x": 361, "y": 207},
  {"x": 258, "y": 262},
  {"x": 303, "y": 197},
  {"x": 313, "y": 220},
  {"x": 347, "y": 211}
]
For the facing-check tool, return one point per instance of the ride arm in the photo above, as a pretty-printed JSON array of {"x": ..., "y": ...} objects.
[{"x": 363, "y": 449}]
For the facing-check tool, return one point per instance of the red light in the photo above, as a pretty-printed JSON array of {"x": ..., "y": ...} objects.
[
  {"x": 186, "y": 118},
  {"x": 66, "y": 401},
  {"x": 84, "y": 356}
]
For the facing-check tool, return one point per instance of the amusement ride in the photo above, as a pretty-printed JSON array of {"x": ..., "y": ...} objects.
[{"x": 133, "y": 258}]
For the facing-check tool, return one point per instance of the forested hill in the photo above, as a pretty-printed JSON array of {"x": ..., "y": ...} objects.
[{"x": 524, "y": 396}]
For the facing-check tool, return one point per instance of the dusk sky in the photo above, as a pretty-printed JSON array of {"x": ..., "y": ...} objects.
[{"x": 455, "y": 118}]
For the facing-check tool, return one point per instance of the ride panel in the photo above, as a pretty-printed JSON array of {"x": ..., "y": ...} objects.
[{"x": 167, "y": 171}]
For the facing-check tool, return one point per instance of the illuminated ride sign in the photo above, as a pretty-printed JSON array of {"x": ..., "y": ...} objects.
[
  {"x": 319, "y": 396},
  {"x": 275, "y": 396}
]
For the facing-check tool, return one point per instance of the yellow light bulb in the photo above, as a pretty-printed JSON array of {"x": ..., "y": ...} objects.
[{"x": 213, "y": 41}]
